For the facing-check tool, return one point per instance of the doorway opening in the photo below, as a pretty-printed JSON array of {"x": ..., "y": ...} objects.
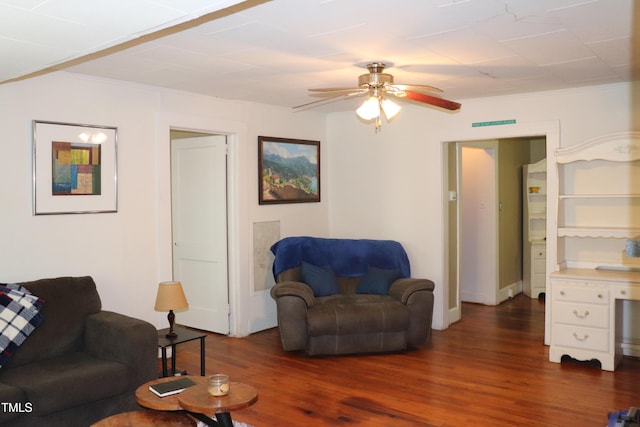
[
  {"x": 485, "y": 233},
  {"x": 199, "y": 227}
]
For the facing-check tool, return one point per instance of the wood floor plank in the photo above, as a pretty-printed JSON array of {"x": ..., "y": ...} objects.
[{"x": 489, "y": 369}]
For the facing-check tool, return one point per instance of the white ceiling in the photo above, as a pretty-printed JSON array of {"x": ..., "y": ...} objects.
[{"x": 273, "y": 51}]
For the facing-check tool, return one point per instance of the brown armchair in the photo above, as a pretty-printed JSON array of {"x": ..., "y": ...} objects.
[{"x": 343, "y": 296}]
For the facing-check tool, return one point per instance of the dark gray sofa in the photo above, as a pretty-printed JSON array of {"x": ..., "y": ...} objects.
[
  {"x": 81, "y": 364},
  {"x": 349, "y": 321}
]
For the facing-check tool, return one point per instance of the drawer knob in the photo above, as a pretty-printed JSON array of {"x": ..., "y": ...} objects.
[
  {"x": 600, "y": 296},
  {"x": 562, "y": 293},
  {"x": 584, "y": 338},
  {"x": 623, "y": 292},
  {"x": 581, "y": 316}
]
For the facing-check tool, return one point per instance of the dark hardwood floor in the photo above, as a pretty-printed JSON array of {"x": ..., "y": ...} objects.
[{"x": 489, "y": 369}]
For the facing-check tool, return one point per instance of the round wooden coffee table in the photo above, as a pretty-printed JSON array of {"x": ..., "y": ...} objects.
[
  {"x": 197, "y": 401},
  {"x": 150, "y": 400},
  {"x": 147, "y": 419}
]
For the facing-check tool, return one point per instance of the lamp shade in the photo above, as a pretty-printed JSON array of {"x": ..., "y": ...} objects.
[
  {"x": 370, "y": 109},
  {"x": 390, "y": 108},
  {"x": 170, "y": 297}
]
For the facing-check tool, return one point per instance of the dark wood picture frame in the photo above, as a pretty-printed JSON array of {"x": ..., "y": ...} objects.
[{"x": 288, "y": 170}]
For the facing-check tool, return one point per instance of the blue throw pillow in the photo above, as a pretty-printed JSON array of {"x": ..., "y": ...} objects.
[
  {"x": 377, "y": 281},
  {"x": 322, "y": 281}
]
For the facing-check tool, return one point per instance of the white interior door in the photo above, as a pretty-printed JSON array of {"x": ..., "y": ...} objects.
[
  {"x": 478, "y": 216},
  {"x": 199, "y": 228}
]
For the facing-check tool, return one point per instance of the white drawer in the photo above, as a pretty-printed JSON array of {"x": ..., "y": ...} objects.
[
  {"x": 538, "y": 280},
  {"x": 538, "y": 252},
  {"x": 539, "y": 265},
  {"x": 626, "y": 292},
  {"x": 580, "y": 337},
  {"x": 591, "y": 315},
  {"x": 594, "y": 293}
]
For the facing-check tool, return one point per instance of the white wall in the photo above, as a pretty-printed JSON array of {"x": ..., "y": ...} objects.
[
  {"x": 386, "y": 185},
  {"x": 127, "y": 252},
  {"x": 390, "y": 184}
]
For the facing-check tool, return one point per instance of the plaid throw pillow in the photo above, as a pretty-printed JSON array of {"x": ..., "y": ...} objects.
[{"x": 19, "y": 316}]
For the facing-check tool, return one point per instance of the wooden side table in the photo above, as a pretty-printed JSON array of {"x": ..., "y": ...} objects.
[
  {"x": 197, "y": 401},
  {"x": 148, "y": 399},
  {"x": 147, "y": 419},
  {"x": 184, "y": 335}
]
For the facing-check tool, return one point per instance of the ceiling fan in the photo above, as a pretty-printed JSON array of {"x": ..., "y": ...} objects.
[{"x": 379, "y": 87}]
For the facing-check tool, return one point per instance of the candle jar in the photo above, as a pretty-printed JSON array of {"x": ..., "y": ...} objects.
[{"x": 218, "y": 385}]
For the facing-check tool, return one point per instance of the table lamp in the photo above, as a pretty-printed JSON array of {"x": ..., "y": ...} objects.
[{"x": 170, "y": 297}]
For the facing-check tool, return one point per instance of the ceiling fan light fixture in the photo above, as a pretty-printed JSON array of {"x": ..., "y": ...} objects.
[
  {"x": 390, "y": 108},
  {"x": 378, "y": 85},
  {"x": 370, "y": 109}
]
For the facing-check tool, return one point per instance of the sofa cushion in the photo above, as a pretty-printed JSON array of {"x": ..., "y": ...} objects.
[
  {"x": 66, "y": 381},
  {"x": 356, "y": 314},
  {"x": 322, "y": 281},
  {"x": 69, "y": 300},
  {"x": 377, "y": 281}
]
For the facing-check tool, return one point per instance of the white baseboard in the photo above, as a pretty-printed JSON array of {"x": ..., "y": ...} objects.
[
  {"x": 630, "y": 349},
  {"x": 509, "y": 291}
]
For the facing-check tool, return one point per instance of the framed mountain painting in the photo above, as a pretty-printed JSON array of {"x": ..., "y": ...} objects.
[{"x": 288, "y": 170}]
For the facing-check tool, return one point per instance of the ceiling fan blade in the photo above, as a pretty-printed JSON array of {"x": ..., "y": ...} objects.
[
  {"x": 327, "y": 101},
  {"x": 419, "y": 88},
  {"x": 334, "y": 89},
  {"x": 338, "y": 91},
  {"x": 428, "y": 99}
]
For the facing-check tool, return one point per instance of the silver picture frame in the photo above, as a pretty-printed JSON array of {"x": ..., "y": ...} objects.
[{"x": 74, "y": 168}]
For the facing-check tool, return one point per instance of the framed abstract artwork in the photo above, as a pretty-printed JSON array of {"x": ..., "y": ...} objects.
[
  {"x": 74, "y": 168},
  {"x": 288, "y": 170}
]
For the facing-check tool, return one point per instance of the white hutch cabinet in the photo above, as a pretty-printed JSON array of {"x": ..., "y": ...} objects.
[
  {"x": 534, "y": 181},
  {"x": 598, "y": 209}
]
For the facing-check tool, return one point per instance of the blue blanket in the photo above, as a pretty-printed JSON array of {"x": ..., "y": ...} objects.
[{"x": 347, "y": 257}]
